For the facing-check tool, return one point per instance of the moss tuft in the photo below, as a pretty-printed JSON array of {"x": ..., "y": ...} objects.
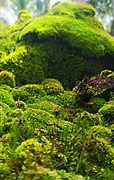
[
  {"x": 7, "y": 78},
  {"x": 108, "y": 112},
  {"x": 52, "y": 86}
]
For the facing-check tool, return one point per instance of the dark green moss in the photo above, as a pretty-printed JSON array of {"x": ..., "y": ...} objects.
[{"x": 95, "y": 104}]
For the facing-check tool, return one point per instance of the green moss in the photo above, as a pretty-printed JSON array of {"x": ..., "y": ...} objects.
[
  {"x": 108, "y": 112},
  {"x": 52, "y": 86},
  {"x": 6, "y": 98},
  {"x": 24, "y": 15},
  {"x": 85, "y": 120},
  {"x": 47, "y": 47},
  {"x": 78, "y": 35},
  {"x": 17, "y": 113},
  {"x": 7, "y": 78},
  {"x": 98, "y": 145},
  {"x": 50, "y": 80},
  {"x": 27, "y": 92},
  {"x": 38, "y": 118},
  {"x": 21, "y": 63},
  {"x": 45, "y": 105},
  {"x": 95, "y": 104},
  {"x": 21, "y": 104},
  {"x": 4, "y": 107},
  {"x": 75, "y": 10},
  {"x": 67, "y": 99}
]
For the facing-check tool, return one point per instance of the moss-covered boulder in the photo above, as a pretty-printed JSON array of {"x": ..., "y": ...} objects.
[{"x": 68, "y": 43}]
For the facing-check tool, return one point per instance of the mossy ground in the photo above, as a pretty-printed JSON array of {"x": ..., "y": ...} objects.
[{"x": 48, "y": 132}]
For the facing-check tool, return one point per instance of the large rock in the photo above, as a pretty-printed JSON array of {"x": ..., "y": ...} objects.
[{"x": 68, "y": 43}]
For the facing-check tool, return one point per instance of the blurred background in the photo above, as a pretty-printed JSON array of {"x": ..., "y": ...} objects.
[{"x": 9, "y": 10}]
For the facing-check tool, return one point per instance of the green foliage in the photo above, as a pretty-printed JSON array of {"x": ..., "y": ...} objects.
[
  {"x": 67, "y": 99},
  {"x": 6, "y": 108},
  {"x": 86, "y": 120},
  {"x": 7, "y": 78},
  {"x": 24, "y": 15}
]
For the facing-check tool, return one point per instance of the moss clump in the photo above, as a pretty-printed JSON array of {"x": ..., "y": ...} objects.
[
  {"x": 24, "y": 15},
  {"x": 108, "y": 112},
  {"x": 4, "y": 107},
  {"x": 6, "y": 98},
  {"x": 52, "y": 87},
  {"x": 27, "y": 92},
  {"x": 21, "y": 104},
  {"x": 7, "y": 78},
  {"x": 45, "y": 105},
  {"x": 38, "y": 118},
  {"x": 86, "y": 120},
  {"x": 98, "y": 146},
  {"x": 47, "y": 47}
]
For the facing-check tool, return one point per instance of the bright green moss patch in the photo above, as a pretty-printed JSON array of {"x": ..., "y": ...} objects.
[
  {"x": 6, "y": 98},
  {"x": 45, "y": 105},
  {"x": 79, "y": 34},
  {"x": 38, "y": 118},
  {"x": 4, "y": 107}
]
